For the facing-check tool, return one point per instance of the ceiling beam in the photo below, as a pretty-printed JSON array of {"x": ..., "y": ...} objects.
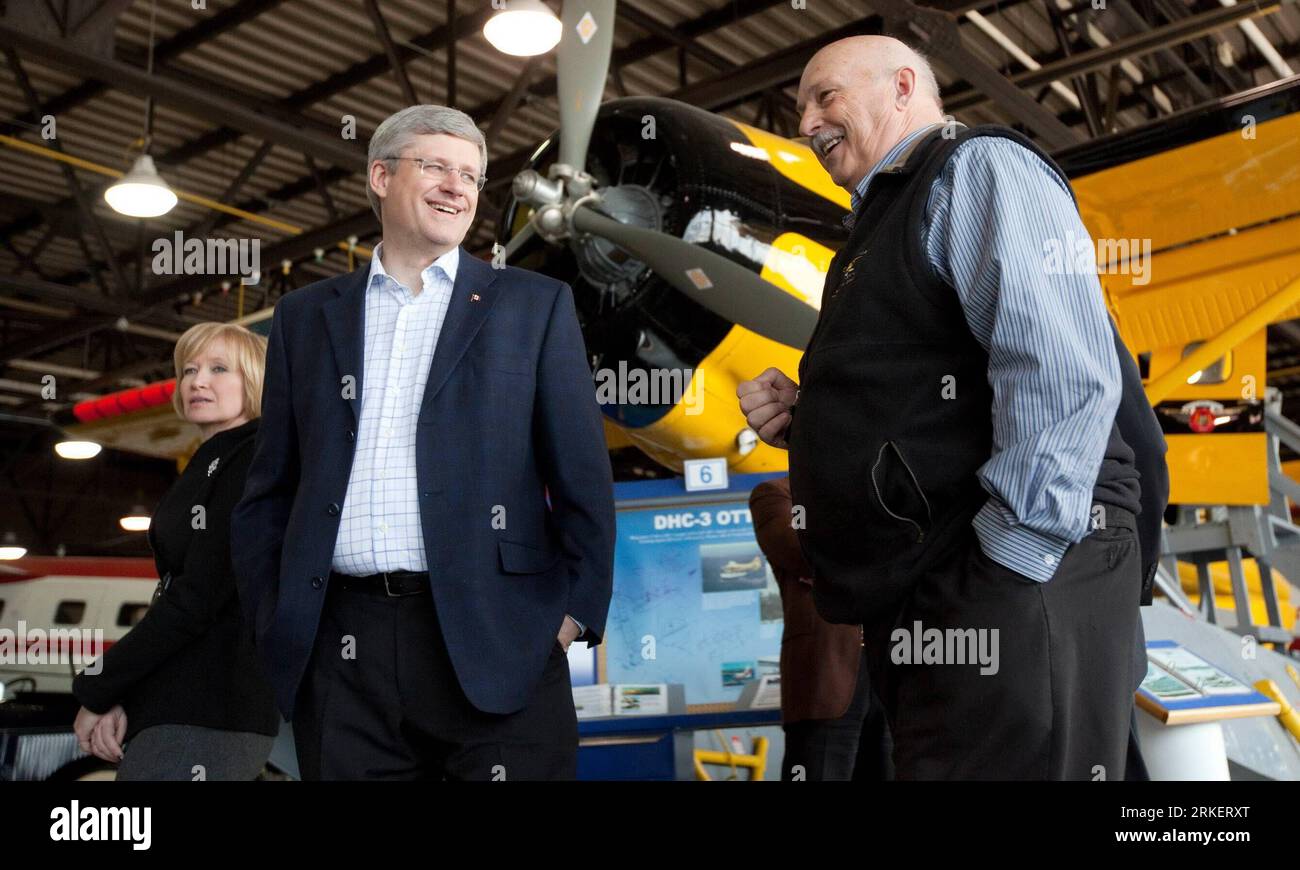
[
  {"x": 390, "y": 49},
  {"x": 51, "y": 291},
  {"x": 1200, "y": 91},
  {"x": 322, "y": 188},
  {"x": 363, "y": 222},
  {"x": 48, "y": 340},
  {"x": 650, "y": 46},
  {"x": 1126, "y": 47},
  {"x": 655, "y": 27},
  {"x": 1232, "y": 79},
  {"x": 1133, "y": 100},
  {"x": 206, "y": 103},
  {"x": 28, "y": 260},
  {"x": 255, "y": 205},
  {"x": 376, "y": 65},
  {"x": 331, "y": 86},
  {"x": 771, "y": 71},
  {"x": 368, "y": 69},
  {"x": 359, "y": 223},
  {"x": 204, "y": 226},
  {"x": 210, "y": 28},
  {"x": 938, "y": 31},
  {"x": 84, "y": 203},
  {"x": 100, "y": 16}
]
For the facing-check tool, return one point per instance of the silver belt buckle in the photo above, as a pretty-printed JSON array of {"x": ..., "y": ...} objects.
[{"x": 388, "y": 589}]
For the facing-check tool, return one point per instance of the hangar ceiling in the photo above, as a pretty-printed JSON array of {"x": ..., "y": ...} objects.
[
  {"x": 249, "y": 98},
  {"x": 250, "y": 95}
]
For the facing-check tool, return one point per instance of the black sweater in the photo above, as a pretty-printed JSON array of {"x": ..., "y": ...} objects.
[{"x": 190, "y": 660}]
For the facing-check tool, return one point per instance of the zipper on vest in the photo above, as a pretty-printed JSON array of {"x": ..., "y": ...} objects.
[{"x": 920, "y": 532}]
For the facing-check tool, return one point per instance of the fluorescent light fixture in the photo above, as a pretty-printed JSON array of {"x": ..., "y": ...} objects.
[
  {"x": 141, "y": 193},
  {"x": 524, "y": 28},
  {"x": 78, "y": 449}
]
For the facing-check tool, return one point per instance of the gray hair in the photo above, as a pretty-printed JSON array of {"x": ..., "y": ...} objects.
[{"x": 399, "y": 129}]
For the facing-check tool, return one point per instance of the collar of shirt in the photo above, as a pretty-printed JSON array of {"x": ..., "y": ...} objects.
[
  {"x": 447, "y": 263},
  {"x": 860, "y": 192}
]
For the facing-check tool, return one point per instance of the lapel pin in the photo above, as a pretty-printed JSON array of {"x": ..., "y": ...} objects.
[{"x": 474, "y": 297}]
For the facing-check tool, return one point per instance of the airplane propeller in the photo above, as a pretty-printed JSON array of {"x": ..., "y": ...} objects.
[{"x": 564, "y": 202}]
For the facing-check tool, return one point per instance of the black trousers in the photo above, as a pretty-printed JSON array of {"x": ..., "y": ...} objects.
[
  {"x": 1060, "y": 703},
  {"x": 855, "y": 747},
  {"x": 381, "y": 700}
]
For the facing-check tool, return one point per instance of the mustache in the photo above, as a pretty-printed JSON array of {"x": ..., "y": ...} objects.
[{"x": 824, "y": 137}]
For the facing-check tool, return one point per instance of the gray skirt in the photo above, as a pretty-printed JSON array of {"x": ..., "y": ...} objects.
[{"x": 192, "y": 752}]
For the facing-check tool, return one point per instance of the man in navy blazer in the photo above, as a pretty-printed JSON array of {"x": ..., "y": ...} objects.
[{"x": 428, "y": 521}]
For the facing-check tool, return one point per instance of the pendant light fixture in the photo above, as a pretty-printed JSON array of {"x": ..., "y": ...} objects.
[
  {"x": 76, "y": 449},
  {"x": 10, "y": 549},
  {"x": 523, "y": 28},
  {"x": 136, "y": 521},
  {"x": 142, "y": 192}
]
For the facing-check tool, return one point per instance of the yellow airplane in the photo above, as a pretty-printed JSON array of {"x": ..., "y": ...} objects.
[
  {"x": 698, "y": 246},
  {"x": 1194, "y": 226},
  {"x": 1197, "y": 227}
]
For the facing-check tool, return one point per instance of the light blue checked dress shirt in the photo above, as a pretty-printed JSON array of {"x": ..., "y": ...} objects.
[
  {"x": 990, "y": 218},
  {"x": 380, "y": 525}
]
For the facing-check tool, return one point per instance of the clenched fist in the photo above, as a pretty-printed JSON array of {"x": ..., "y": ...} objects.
[{"x": 766, "y": 402}]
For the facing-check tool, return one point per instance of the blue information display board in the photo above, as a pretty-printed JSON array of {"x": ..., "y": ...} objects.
[{"x": 695, "y": 601}]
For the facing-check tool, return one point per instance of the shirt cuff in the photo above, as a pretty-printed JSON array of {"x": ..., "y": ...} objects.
[
  {"x": 1016, "y": 546},
  {"x": 582, "y": 629}
]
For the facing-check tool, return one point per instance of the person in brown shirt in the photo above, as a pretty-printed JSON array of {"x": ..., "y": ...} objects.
[{"x": 834, "y": 725}]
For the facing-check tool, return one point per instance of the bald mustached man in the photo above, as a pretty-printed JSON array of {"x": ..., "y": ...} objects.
[{"x": 966, "y": 490}]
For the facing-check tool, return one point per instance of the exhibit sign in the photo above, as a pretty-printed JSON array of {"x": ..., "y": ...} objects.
[{"x": 695, "y": 601}]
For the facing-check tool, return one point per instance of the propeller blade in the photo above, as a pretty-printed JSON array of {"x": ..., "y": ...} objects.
[
  {"x": 726, "y": 288},
  {"x": 523, "y": 237},
  {"x": 582, "y": 67}
]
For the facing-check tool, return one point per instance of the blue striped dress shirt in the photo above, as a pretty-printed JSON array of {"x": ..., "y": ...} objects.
[{"x": 992, "y": 216}]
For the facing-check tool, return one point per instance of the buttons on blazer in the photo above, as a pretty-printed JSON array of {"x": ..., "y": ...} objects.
[
  {"x": 352, "y": 436},
  {"x": 317, "y": 582},
  {"x": 333, "y": 509}
]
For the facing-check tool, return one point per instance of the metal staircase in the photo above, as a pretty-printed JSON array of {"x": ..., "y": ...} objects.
[{"x": 1217, "y": 533}]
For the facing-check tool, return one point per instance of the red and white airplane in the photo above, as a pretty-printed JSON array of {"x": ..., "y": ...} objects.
[{"x": 50, "y": 608}]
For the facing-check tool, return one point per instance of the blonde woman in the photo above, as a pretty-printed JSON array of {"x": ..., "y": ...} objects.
[{"x": 182, "y": 695}]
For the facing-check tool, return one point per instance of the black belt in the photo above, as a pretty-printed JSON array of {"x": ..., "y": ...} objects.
[{"x": 393, "y": 584}]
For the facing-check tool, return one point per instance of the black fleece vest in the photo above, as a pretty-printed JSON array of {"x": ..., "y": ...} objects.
[{"x": 893, "y": 417}]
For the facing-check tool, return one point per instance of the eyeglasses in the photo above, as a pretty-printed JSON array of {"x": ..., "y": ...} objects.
[{"x": 436, "y": 170}]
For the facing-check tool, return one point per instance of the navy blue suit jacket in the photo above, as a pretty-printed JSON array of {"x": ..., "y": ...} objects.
[{"x": 509, "y": 417}]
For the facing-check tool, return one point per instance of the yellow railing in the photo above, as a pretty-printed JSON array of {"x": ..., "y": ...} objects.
[{"x": 755, "y": 762}]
